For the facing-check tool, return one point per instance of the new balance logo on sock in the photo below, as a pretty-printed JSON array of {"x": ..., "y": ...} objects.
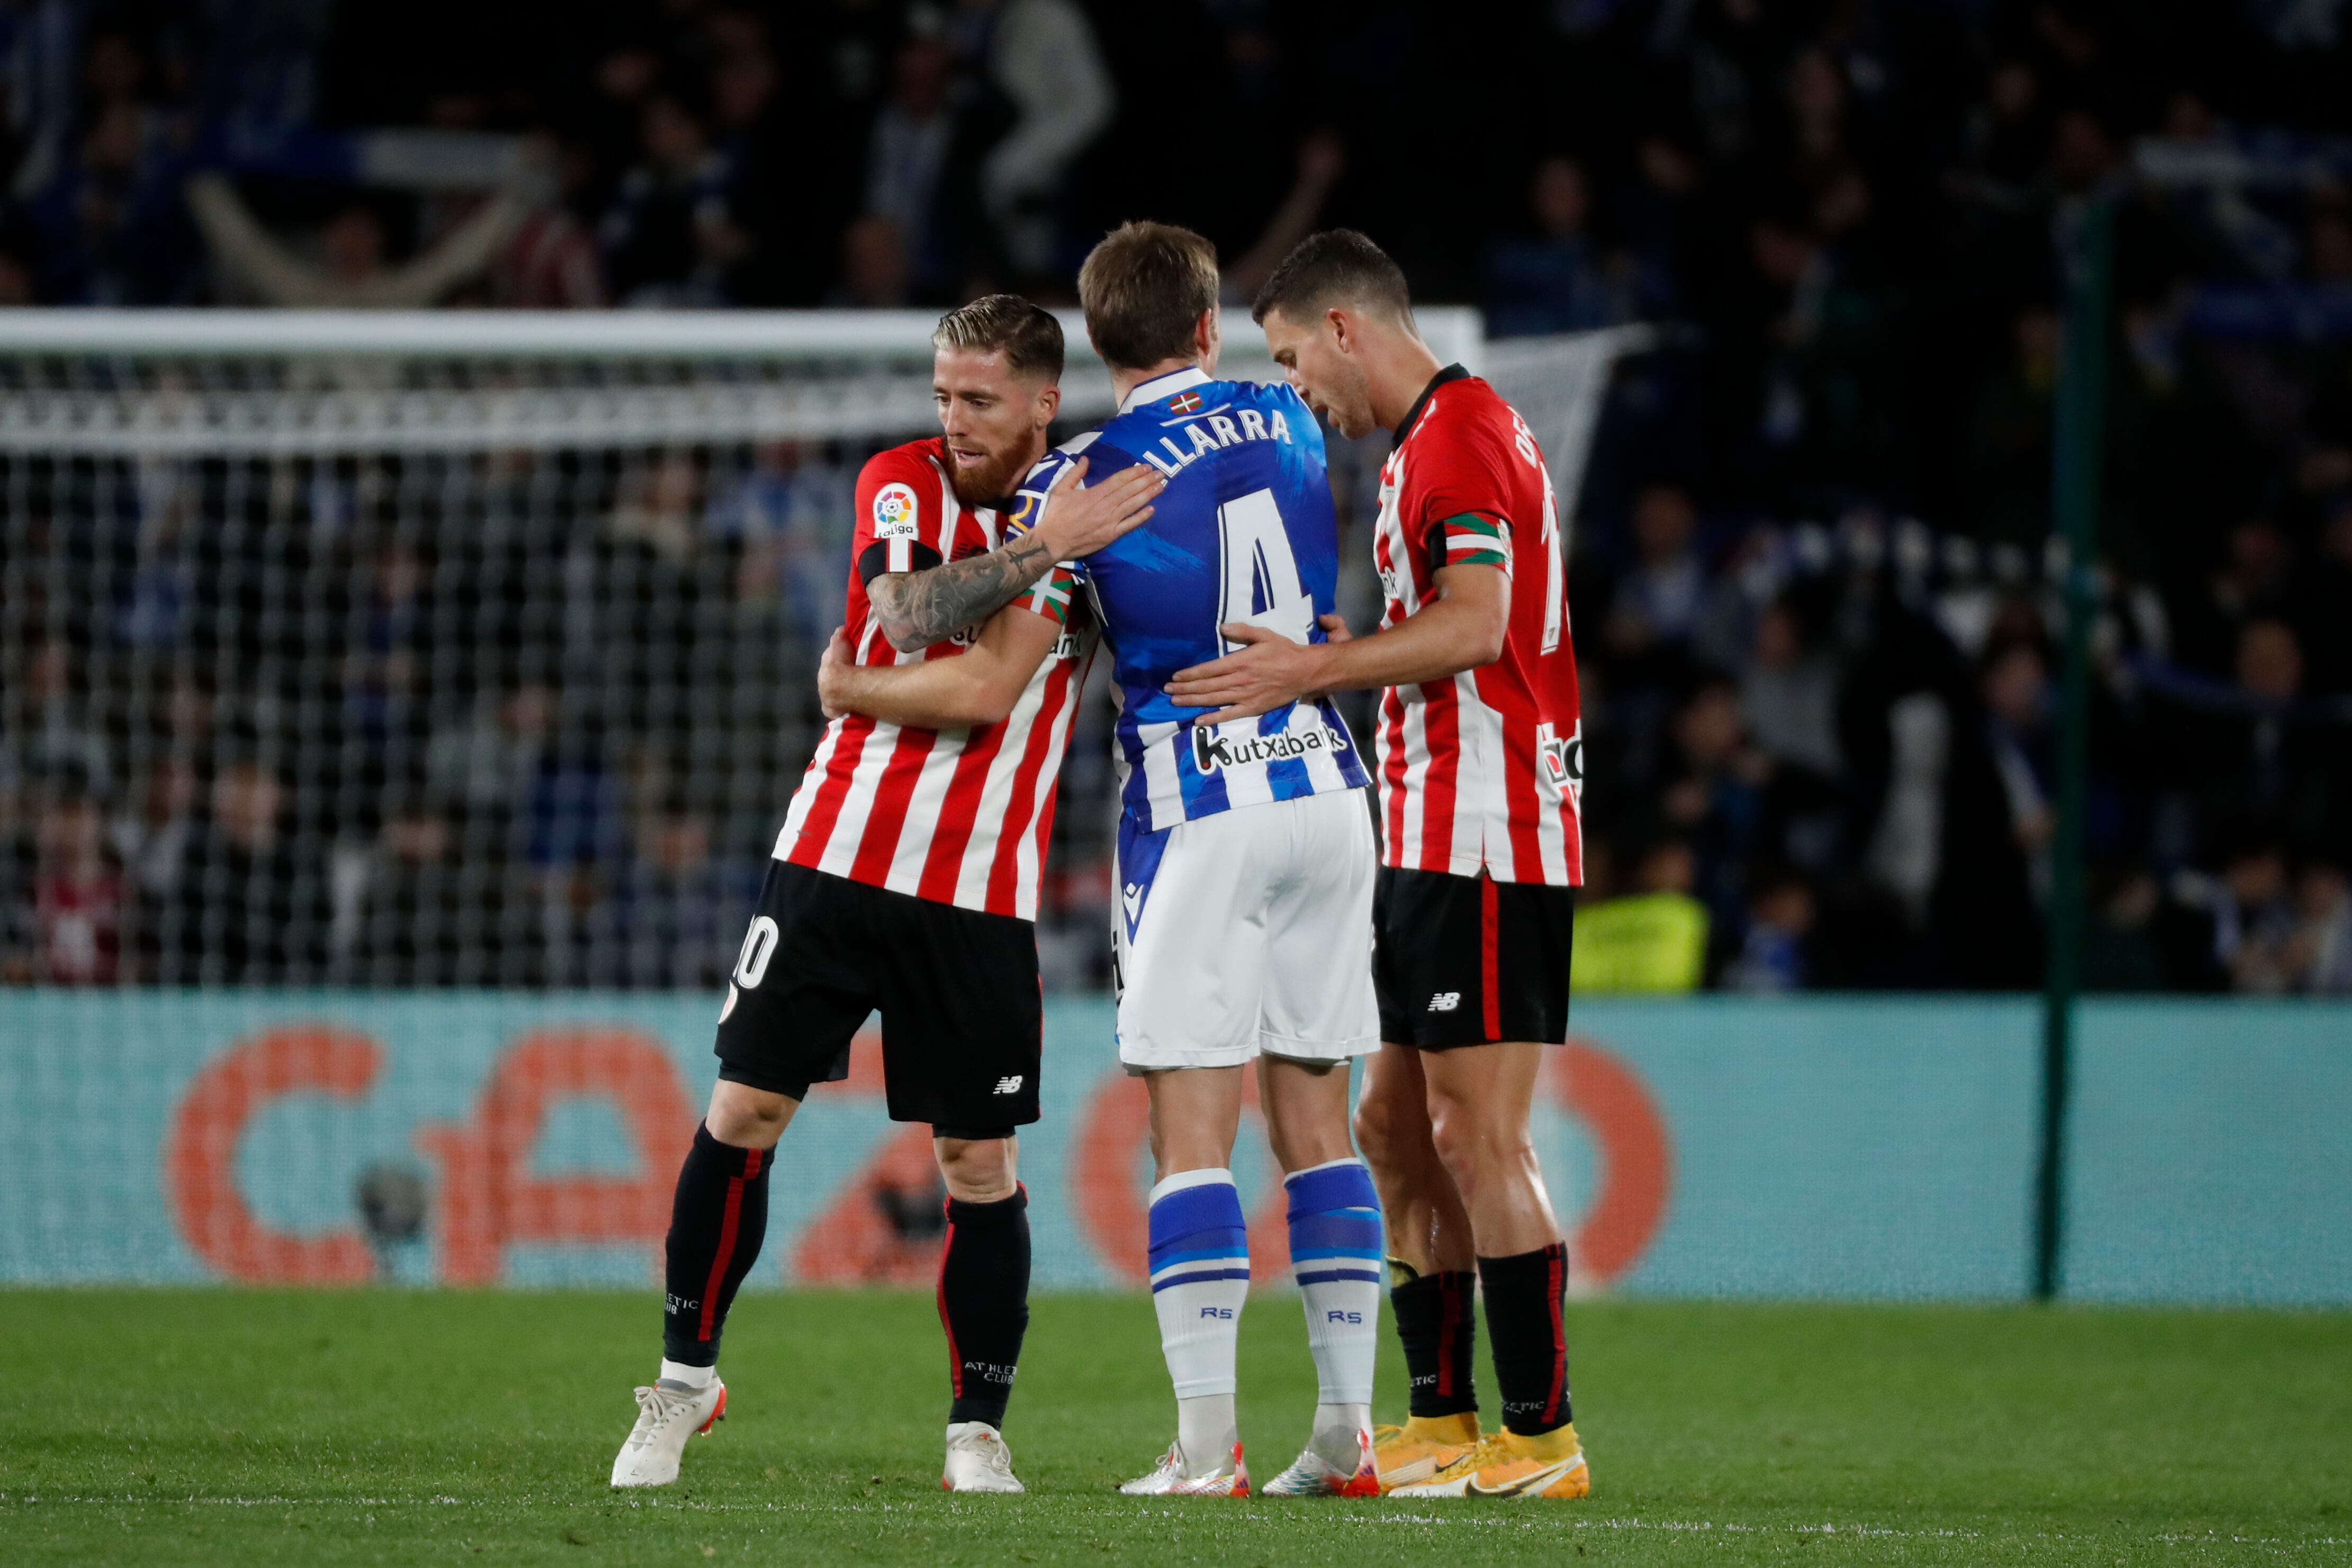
[
  {"x": 1010, "y": 1086},
  {"x": 1444, "y": 1001}
]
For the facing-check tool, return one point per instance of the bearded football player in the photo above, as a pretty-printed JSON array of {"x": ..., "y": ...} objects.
[
  {"x": 906, "y": 881},
  {"x": 1244, "y": 862},
  {"x": 1480, "y": 773}
]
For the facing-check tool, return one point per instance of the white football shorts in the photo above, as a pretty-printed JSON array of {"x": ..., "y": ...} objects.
[{"x": 1246, "y": 930}]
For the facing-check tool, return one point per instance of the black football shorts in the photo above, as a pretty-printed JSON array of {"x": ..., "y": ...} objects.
[
  {"x": 1460, "y": 960},
  {"x": 961, "y": 1021}
]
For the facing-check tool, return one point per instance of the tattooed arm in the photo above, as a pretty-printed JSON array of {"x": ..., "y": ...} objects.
[{"x": 916, "y": 609}]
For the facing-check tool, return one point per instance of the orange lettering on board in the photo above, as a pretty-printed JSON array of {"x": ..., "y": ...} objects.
[
  {"x": 200, "y": 1153},
  {"x": 488, "y": 1197},
  {"x": 1637, "y": 1163}
]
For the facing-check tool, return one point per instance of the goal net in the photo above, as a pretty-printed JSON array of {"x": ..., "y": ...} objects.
[{"x": 474, "y": 650}]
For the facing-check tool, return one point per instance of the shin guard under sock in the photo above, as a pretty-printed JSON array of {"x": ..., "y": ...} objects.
[
  {"x": 716, "y": 1221},
  {"x": 1437, "y": 1320},
  {"x": 1524, "y": 1293},
  {"x": 984, "y": 1303},
  {"x": 1199, "y": 1281},
  {"x": 1335, "y": 1254}
]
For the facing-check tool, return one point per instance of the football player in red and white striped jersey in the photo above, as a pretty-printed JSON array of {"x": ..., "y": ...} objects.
[
  {"x": 906, "y": 881},
  {"x": 1480, "y": 775}
]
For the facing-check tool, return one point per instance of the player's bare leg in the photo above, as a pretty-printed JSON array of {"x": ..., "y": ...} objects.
[
  {"x": 983, "y": 1305},
  {"x": 718, "y": 1219},
  {"x": 1481, "y": 1099},
  {"x": 1481, "y": 1105},
  {"x": 1428, "y": 1225},
  {"x": 1433, "y": 1272}
]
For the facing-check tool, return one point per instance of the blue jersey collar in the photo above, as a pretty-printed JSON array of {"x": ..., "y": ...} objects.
[{"x": 1168, "y": 385}]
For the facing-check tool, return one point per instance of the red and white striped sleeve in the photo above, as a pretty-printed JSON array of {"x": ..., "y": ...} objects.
[{"x": 898, "y": 514}]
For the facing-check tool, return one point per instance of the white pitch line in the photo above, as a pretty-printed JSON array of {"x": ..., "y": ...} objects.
[{"x": 1472, "y": 1521}]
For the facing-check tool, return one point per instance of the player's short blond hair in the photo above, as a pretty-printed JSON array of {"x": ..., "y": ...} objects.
[
  {"x": 1027, "y": 335},
  {"x": 1143, "y": 290},
  {"x": 1337, "y": 267}
]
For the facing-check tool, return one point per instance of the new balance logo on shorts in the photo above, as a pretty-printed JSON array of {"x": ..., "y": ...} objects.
[
  {"x": 1444, "y": 1001},
  {"x": 1010, "y": 1086}
]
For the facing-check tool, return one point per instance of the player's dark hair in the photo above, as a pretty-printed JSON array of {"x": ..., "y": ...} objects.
[
  {"x": 1142, "y": 289},
  {"x": 1027, "y": 335},
  {"x": 1337, "y": 267}
]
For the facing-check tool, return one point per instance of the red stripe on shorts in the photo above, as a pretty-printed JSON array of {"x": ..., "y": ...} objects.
[{"x": 1490, "y": 986}]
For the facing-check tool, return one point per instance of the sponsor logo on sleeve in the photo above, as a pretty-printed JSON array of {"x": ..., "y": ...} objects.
[
  {"x": 1562, "y": 757},
  {"x": 895, "y": 512}
]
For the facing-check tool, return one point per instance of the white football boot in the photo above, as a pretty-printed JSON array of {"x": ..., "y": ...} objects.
[
  {"x": 1173, "y": 1477},
  {"x": 666, "y": 1418},
  {"x": 977, "y": 1459},
  {"x": 1312, "y": 1475}
]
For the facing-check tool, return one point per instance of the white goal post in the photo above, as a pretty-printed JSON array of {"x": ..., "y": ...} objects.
[{"x": 258, "y": 383}]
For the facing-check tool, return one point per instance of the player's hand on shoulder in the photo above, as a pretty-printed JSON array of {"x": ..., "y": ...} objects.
[
  {"x": 1081, "y": 519},
  {"x": 831, "y": 673},
  {"x": 1271, "y": 671}
]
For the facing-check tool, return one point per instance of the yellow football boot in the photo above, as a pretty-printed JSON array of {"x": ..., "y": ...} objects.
[
  {"x": 1424, "y": 1448},
  {"x": 1508, "y": 1465}
]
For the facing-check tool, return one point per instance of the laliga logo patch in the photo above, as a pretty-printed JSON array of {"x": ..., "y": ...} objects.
[{"x": 895, "y": 512}]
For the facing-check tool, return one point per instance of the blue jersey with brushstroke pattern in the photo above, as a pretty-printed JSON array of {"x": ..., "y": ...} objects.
[{"x": 1243, "y": 531}]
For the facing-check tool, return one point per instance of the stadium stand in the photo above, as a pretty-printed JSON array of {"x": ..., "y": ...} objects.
[{"x": 338, "y": 719}]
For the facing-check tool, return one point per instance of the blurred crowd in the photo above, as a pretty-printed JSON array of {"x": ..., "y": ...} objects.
[{"x": 540, "y": 737}]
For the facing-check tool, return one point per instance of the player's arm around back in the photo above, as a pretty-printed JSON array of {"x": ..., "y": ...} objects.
[
  {"x": 916, "y": 609},
  {"x": 1461, "y": 629},
  {"x": 978, "y": 687}
]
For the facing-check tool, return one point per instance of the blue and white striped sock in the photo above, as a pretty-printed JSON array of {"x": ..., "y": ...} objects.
[
  {"x": 1200, "y": 1279},
  {"x": 1335, "y": 1251}
]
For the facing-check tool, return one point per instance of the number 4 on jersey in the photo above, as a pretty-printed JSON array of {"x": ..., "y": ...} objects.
[{"x": 1260, "y": 570}]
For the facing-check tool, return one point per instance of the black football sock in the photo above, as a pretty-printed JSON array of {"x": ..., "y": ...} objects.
[
  {"x": 1523, "y": 1301},
  {"x": 1436, "y": 1317},
  {"x": 984, "y": 1303},
  {"x": 716, "y": 1222}
]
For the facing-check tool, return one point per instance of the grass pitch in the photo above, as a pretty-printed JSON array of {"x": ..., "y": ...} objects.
[{"x": 380, "y": 1427}]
